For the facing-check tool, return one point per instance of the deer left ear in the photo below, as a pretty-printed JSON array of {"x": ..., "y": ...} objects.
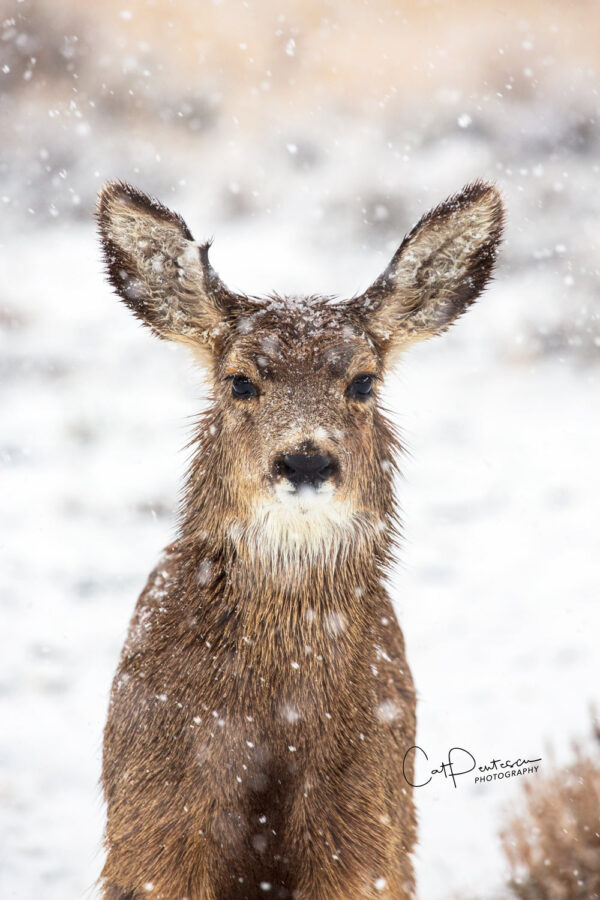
[{"x": 440, "y": 268}]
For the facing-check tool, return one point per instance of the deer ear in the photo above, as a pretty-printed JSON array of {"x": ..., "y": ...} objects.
[
  {"x": 158, "y": 269},
  {"x": 440, "y": 268}
]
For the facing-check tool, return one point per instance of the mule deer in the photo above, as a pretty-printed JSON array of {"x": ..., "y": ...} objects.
[{"x": 263, "y": 704}]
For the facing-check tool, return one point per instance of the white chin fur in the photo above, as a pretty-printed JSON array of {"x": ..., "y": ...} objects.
[
  {"x": 303, "y": 514},
  {"x": 302, "y": 522},
  {"x": 305, "y": 500}
]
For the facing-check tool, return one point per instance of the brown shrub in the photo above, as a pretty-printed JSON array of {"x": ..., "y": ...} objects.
[{"x": 553, "y": 844}]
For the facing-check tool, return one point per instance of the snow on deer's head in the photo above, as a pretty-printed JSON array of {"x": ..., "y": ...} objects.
[{"x": 294, "y": 445}]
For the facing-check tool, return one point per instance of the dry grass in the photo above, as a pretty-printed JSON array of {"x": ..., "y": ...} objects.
[{"x": 553, "y": 845}]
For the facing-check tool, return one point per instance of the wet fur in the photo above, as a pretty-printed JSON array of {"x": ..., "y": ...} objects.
[{"x": 263, "y": 702}]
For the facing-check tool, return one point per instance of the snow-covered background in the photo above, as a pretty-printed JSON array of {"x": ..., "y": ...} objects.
[{"x": 306, "y": 137}]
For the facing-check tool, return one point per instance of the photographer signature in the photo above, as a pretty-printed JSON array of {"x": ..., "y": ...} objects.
[{"x": 461, "y": 762}]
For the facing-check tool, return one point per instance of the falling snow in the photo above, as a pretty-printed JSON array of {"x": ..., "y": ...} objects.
[{"x": 306, "y": 189}]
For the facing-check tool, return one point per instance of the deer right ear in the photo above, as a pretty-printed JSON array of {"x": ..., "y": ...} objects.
[{"x": 160, "y": 272}]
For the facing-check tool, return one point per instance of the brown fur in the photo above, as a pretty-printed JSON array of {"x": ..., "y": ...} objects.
[{"x": 263, "y": 703}]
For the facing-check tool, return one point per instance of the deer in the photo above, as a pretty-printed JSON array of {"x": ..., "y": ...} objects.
[{"x": 263, "y": 707}]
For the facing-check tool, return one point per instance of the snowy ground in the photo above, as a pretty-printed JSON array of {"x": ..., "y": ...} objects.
[{"x": 497, "y": 588}]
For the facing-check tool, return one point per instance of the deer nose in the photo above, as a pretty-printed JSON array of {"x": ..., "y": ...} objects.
[{"x": 306, "y": 468}]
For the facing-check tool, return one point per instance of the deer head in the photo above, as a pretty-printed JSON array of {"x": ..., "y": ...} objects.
[{"x": 294, "y": 449}]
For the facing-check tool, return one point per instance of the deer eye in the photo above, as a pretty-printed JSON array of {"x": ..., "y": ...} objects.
[
  {"x": 243, "y": 388},
  {"x": 360, "y": 387}
]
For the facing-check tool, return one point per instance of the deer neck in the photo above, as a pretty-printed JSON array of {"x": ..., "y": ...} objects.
[{"x": 330, "y": 590}]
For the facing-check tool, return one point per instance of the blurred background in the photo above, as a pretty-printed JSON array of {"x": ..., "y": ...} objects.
[{"x": 307, "y": 137}]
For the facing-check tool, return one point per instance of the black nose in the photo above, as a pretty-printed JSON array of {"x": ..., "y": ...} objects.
[{"x": 306, "y": 468}]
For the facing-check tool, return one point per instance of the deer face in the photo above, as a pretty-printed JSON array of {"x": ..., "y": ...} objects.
[
  {"x": 296, "y": 398},
  {"x": 294, "y": 443}
]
